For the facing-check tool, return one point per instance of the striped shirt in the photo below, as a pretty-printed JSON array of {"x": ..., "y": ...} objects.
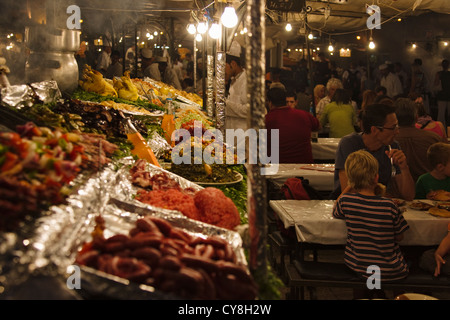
[{"x": 372, "y": 223}]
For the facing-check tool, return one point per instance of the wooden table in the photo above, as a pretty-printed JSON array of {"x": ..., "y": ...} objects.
[{"x": 314, "y": 223}]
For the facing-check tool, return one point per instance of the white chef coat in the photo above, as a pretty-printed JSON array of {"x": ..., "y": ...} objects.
[
  {"x": 392, "y": 84},
  {"x": 152, "y": 71},
  {"x": 236, "y": 109}
]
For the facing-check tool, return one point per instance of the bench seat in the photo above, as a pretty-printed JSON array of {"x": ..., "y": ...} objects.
[{"x": 313, "y": 274}]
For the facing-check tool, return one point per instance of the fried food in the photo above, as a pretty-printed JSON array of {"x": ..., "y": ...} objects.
[
  {"x": 439, "y": 212},
  {"x": 439, "y": 195},
  {"x": 419, "y": 205},
  {"x": 94, "y": 82},
  {"x": 125, "y": 88}
]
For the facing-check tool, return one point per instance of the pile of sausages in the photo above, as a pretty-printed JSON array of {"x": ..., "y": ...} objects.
[{"x": 171, "y": 260}]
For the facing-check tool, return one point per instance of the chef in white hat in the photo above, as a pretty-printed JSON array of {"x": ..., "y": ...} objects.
[
  {"x": 168, "y": 73},
  {"x": 149, "y": 65},
  {"x": 390, "y": 81},
  {"x": 104, "y": 59},
  {"x": 236, "y": 108}
]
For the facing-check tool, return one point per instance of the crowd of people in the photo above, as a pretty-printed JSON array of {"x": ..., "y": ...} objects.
[{"x": 391, "y": 147}]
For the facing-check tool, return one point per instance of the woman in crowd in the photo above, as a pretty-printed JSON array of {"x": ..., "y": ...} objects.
[
  {"x": 425, "y": 122},
  {"x": 340, "y": 115}
]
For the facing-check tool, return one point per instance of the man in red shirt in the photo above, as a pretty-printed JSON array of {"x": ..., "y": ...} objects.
[{"x": 294, "y": 127}]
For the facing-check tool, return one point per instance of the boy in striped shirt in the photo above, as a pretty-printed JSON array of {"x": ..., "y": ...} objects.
[{"x": 374, "y": 223}]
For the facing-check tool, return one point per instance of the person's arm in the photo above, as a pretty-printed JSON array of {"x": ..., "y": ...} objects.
[
  {"x": 399, "y": 237},
  {"x": 441, "y": 251},
  {"x": 404, "y": 180},
  {"x": 343, "y": 179}
]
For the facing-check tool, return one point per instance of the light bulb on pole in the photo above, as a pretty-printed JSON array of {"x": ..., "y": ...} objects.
[
  {"x": 288, "y": 27},
  {"x": 202, "y": 27},
  {"x": 214, "y": 31},
  {"x": 191, "y": 28},
  {"x": 229, "y": 18}
]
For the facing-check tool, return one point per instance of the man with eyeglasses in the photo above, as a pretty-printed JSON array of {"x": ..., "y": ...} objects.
[
  {"x": 379, "y": 129},
  {"x": 414, "y": 141}
]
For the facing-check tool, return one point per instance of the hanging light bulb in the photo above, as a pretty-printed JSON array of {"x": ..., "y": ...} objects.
[
  {"x": 198, "y": 37},
  {"x": 229, "y": 18},
  {"x": 310, "y": 36},
  {"x": 371, "y": 44},
  {"x": 191, "y": 28},
  {"x": 288, "y": 27},
  {"x": 330, "y": 47},
  {"x": 214, "y": 31},
  {"x": 202, "y": 27}
]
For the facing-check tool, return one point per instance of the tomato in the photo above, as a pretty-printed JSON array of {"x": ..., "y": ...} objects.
[{"x": 10, "y": 161}]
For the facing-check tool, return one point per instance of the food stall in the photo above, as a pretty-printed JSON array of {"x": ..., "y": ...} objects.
[
  {"x": 90, "y": 162},
  {"x": 92, "y": 199}
]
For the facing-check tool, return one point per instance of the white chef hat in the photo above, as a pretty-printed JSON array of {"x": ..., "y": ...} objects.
[
  {"x": 147, "y": 53},
  {"x": 235, "y": 49}
]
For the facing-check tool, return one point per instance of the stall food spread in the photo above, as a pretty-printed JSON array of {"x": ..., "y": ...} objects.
[{"x": 102, "y": 193}]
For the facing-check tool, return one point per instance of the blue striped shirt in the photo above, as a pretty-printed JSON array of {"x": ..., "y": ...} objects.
[{"x": 372, "y": 224}]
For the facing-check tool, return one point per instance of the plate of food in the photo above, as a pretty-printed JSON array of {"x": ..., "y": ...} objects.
[
  {"x": 439, "y": 195},
  {"x": 207, "y": 175},
  {"x": 421, "y": 205},
  {"x": 442, "y": 209},
  {"x": 399, "y": 202}
]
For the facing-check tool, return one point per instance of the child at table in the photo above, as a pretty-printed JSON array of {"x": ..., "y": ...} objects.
[
  {"x": 374, "y": 223},
  {"x": 438, "y": 178}
]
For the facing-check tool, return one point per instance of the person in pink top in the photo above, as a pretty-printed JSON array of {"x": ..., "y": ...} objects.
[
  {"x": 294, "y": 127},
  {"x": 425, "y": 122}
]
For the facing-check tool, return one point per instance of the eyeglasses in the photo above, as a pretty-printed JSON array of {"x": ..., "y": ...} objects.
[{"x": 391, "y": 128}]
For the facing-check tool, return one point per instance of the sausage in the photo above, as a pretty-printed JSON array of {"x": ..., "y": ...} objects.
[
  {"x": 146, "y": 224},
  {"x": 177, "y": 233},
  {"x": 149, "y": 255},
  {"x": 130, "y": 268},
  {"x": 114, "y": 246},
  {"x": 170, "y": 263},
  {"x": 163, "y": 225},
  {"x": 144, "y": 241},
  {"x": 198, "y": 262},
  {"x": 88, "y": 258},
  {"x": 239, "y": 272},
  {"x": 117, "y": 238}
]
